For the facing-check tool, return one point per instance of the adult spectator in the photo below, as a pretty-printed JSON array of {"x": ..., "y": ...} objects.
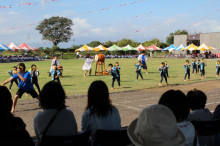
[
  {"x": 155, "y": 126},
  {"x": 100, "y": 113},
  {"x": 54, "y": 61},
  {"x": 13, "y": 129},
  {"x": 216, "y": 113},
  {"x": 197, "y": 100},
  {"x": 77, "y": 55},
  {"x": 143, "y": 58},
  {"x": 52, "y": 100},
  {"x": 177, "y": 102}
]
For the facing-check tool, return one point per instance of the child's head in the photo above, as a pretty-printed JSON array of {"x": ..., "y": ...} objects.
[
  {"x": 21, "y": 67},
  {"x": 116, "y": 64},
  {"x": 218, "y": 61},
  {"x": 197, "y": 99},
  {"x": 110, "y": 66},
  {"x": 33, "y": 67},
  {"x": 194, "y": 59},
  {"x": 162, "y": 64},
  {"x": 14, "y": 68},
  {"x": 203, "y": 60},
  {"x": 165, "y": 62},
  {"x": 198, "y": 60},
  {"x": 54, "y": 67},
  {"x": 187, "y": 61},
  {"x": 139, "y": 63}
]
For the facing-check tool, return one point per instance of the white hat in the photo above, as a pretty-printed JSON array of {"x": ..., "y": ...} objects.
[{"x": 156, "y": 126}]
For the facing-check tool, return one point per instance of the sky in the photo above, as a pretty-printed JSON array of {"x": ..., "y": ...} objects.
[{"x": 104, "y": 20}]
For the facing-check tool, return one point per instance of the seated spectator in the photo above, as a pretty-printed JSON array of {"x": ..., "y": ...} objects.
[
  {"x": 52, "y": 100},
  {"x": 100, "y": 113},
  {"x": 155, "y": 126},
  {"x": 216, "y": 113},
  {"x": 197, "y": 100},
  {"x": 13, "y": 129},
  {"x": 177, "y": 102}
]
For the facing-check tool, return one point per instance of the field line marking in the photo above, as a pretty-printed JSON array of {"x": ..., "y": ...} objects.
[
  {"x": 130, "y": 107},
  {"x": 128, "y": 101},
  {"x": 212, "y": 103}
]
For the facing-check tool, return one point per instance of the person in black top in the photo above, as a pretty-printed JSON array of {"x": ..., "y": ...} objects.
[
  {"x": 12, "y": 129},
  {"x": 34, "y": 74}
]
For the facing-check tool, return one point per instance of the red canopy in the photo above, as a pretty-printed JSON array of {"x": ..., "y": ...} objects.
[
  {"x": 13, "y": 47},
  {"x": 25, "y": 47},
  {"x": 153, "y": 48}
]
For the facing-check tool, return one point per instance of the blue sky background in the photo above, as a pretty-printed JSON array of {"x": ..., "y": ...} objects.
[{"x": 142, "y": 21}]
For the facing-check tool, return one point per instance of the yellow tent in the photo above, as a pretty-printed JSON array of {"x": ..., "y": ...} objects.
[
  {"x": 190, "y": 48},
  {"x": 204, "y": 47},
  {"x": 84, "y": 48},
  {"x": 100, "y": 48}
]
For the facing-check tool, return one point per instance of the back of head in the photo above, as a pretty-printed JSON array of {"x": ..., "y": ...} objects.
[
  {"x": 177, "y": 102},
  {"x": 197, "y": 99},
  {"x": 155, "y": 126},
  {"x": 52, "y": 96},
  {"x": 98, "y": 99},
  {"x": 5, "y": 106}
]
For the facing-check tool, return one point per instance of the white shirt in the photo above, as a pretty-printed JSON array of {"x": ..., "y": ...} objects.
[
  {"x": 63, "y": 125},
  {"x": 140, "y": 58},
  {"x": 87, "y": 64}
]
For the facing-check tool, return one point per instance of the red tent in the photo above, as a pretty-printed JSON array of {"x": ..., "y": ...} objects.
[
  {"x": 25, "y": 47},
  {"x": 153, "y": 48},
  {"x": 34, "y": 49},
  {"x": 13, "y": 47}
]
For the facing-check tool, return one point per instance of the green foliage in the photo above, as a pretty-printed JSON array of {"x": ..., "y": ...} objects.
[
  {"x": 125, "y": 42},
  {"x": 170, "y": 38},
  {"x": 56, "y": 29},
  {"x": 94, "y": 43},
  {"x": 108, "y": 44},
  {"x": 154, "y": 41}
]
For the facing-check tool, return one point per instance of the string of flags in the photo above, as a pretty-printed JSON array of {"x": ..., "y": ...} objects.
[{"x": 26, "y": 4}]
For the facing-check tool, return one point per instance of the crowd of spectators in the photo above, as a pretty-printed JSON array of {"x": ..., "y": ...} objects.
[
  {"x": 18, "y": 58},
  {"x": 168, "y": 123}
]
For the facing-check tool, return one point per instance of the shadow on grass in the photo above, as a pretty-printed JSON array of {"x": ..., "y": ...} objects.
[
  {"x": 32, "y": 109},
  {"x": 67, "y": 85}
]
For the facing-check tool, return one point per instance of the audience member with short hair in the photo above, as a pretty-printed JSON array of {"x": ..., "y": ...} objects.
[
  {"x": 216, "y": 113},
  {"x": 155, "y": 126},
  {"x": 176, "y": 100},
  {"x": 100, "y": 113},
  {"x": 197, "y": 101},
  {"x": 13, "y": 129},
  {"x": 52, "y": 100}
]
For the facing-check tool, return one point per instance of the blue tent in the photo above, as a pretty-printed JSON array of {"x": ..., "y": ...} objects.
[
  {"x": 167, "y": 48},
  {"x": 4, "y": 47},
  {"x": 179, "y": 47}
]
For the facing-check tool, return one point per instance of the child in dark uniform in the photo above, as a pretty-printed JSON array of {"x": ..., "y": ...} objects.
[
  {"x": 115, "y": 75},
  {"x": 167, "y": 66},
  {"x": 194, "y": 66},
  {"x": 138, "y": 69},
  {"x": 198, "y": 66},
  {"x": 11, "y": 73},
  {"x": 55, "y": 74},
  {"x": 34, "y": 74},
  {"x": 118, "y": 68},
  {"x": 202, "y": 68},
  {"x": 217, "y": 68},
  {"x": 163, "y": 74},
  {"x": 187, "y": 70}
]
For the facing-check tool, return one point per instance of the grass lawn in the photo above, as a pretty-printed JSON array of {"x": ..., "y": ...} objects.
[{"x": 75, "y": 84}]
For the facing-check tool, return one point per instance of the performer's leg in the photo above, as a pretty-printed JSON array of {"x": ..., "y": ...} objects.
[
  {"x": 137, "y": 75},
  {"x": 189, "y": 75},
  {"x": 141, "y": 75},
  {"x": 185, "y": 76},
  {"x": 161, "y": 78},
  {"x": 118, "y": 80},
  {"x": 85, "y": 73},
  {"x": 11, "y": 83},
  {"x": 113, "y": 80},
  {"x": 90, "y": 72},
  {"x": 165, "y": 77},
  {"x": 14, "y": 103},
  {"x": 37, "y": 85}
]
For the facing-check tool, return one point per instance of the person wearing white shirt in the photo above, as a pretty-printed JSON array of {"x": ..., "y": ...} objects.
[{"x": 143, "y": 59}]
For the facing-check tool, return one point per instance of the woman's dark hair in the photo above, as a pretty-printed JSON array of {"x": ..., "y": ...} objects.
[
  {"x": 176, "y": 100},
  {"x": 22, "y": 66},
  {"x": 5, "y": 107},
  {"x": 197, "y": 99},
  {"x": 52, "y": 96},
  {"x": 98, "y": 99}
]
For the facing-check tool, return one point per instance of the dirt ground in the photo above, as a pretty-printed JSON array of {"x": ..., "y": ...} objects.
[{"x": 129, "y": 103}]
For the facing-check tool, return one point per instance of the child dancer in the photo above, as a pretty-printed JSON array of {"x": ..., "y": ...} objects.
[
  {"x": 198, "y": 66},
  {"x": 187, "y": 70},
  {"x": 11, "y": 73},
  {"x": 55, "y": 74},
  {"x": 138, "y": 69},
  {"x": 194, "y": 66},
  {"x": 162, "y": 70},
  {"x": 217, "y": 68},
  {"x": 118, "y": 68},
  {"x": 115, "y": 75},
  {"x": 202, "y": 68},
  {"x": 34, "y": 74},
  {"x": 167, "y": 66}
]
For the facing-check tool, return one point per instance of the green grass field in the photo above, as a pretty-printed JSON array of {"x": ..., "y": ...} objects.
[{"x": 75, "y": 84}]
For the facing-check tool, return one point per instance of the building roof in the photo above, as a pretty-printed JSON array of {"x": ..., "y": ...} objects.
[{"x": 193, "y": 37}]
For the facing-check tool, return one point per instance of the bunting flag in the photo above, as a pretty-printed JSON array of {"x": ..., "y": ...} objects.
[{"x": 26, "y": 4}]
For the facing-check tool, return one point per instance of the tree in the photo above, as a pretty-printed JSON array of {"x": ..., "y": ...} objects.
[
  {"x": 108, "y": 44},
  {"x": 94, "y": 43},
  {"x": 170, "y": 38},
  {"x": 56, "y": 29}
]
